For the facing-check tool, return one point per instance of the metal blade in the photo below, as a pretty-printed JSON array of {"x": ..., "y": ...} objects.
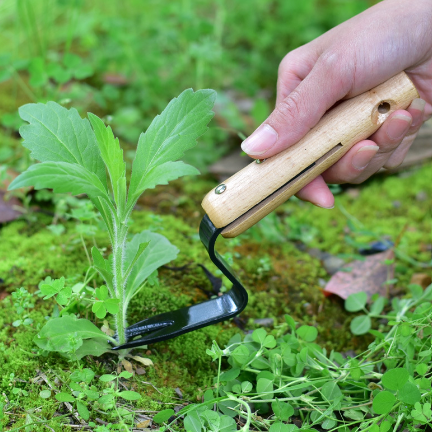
[{"x": 171, "y": 324}]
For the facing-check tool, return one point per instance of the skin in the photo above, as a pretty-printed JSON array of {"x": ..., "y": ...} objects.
[{"x": 359, "y": 54}]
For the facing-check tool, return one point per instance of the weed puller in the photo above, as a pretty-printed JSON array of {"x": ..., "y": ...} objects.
[{"x": 255, "y": 191}]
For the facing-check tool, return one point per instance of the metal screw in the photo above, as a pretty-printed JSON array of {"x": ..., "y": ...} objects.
[{"x": 220, "y": 189}]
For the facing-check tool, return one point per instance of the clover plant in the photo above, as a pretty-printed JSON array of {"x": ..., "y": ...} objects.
[
  {"x": 285, "y": 381},
  {"x": 76, "y": 155}
]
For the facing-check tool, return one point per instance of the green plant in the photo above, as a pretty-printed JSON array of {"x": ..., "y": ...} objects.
[
  {"x": 75, "y": 159},
  {"x": 22, "y": 302},
  {"x": 83, "y": 395},
  {"x": 274, "y": 379}
]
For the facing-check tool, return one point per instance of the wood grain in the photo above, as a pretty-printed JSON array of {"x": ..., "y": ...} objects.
[{"x": 258, "y": 189}]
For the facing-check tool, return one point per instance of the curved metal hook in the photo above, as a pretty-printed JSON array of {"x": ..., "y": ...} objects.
[{"x": 171, "y": 324}]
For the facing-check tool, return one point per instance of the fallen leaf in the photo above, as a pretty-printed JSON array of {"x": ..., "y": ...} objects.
[
  {"x": 367, "y": 276},
  {"x": 144, "y": 361},
  {"x": 106, "y": 329},
  {"x": 115, "y": 79},
  {"x": 128, "y": 366},
  {"x": 140, "y": 371},
  {"x": 422, "y": 279},
  {"x": 8, "y": 210},
  {"x": 143, "y": 424}
]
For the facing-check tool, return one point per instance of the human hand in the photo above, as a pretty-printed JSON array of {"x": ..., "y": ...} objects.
[{"x": 359, "y": 54}]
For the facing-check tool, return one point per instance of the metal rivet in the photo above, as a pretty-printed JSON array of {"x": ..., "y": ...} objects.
[{"x": 220, "y": 189}]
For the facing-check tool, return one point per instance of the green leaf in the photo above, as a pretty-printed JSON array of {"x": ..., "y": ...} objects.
[
  {"x": 112, "y": 305},
  {"x": 99, "y": 310},
  {"x": 259, "y": 335},
  {"x": 102, "y": 266},
  {"x": 107, "y": 378},
  {"x": 290, "y": 321},
  {"x": 91, "y": 395},
  {"x": 383, "y": 402},
  {"x": 163, "y": 416},
  {"x": 106, "y": 399},
  {"x": 354, "y": 414},
  {"x": 270, "y": 342},
  {"x": 64, "y": 397},
  {"x": 112, "y": 155},
  {"x": 331, "y": 391},
  {"x": 45, "y": 394},
  {"x": 360, "y": 324},
  {"x": 82, "y": 410},
  {"x": 378, "y": 306},
  {"x": 129, "y": 395},
  {"x": 126, "y": 375},
  {"x": 64, "y": 296},
  {"x": 227, "y": 424},
  {"x": 172, "y": 133},
  {"x": 307, "y": 333},
  {"x": 192, "y": 422},
  {"x": 282, "y": 410},
  {"x": 161, "y": 175},
  {"x": 394, "y": 379},
  {"x": 94, "y": 347},
  {"x": 62, "y": 177},
  {"x": 329, "y": 423},
  {"x": 53, "y": 288},
  {"x": 356, "y": 302},
  {"x": 280, "y": 427},
  {"x": 409, "y": 394},
  {"x": 265, "y": 388},
  {"x": 241, "y": 355},
  {"x": 159, "y": 252},
  {"x": 422, "y": 414},
  {"x": 56, "y": 134},
  {"x": 141, "y": 248},
  {"x": 230, "y": 374},
  {"x": 422, "y": 368},
  {"x": 385, "y": 426},
  {"x": 55, "y": 333},
  {"x": 212, "y": 418},
  {"x": 85, "y": 375},
  {"x": 425, "y": 383},
  {"x": 102, "y": 293}
]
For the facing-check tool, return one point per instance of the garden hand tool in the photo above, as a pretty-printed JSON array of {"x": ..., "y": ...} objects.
[{"x": 255, "y": 191}]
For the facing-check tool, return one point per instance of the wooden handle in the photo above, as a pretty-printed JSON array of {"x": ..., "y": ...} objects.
[{"x": 258, "y": 189}]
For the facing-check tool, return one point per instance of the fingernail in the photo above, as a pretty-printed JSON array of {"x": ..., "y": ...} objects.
[
  {"x": 362, "y": 158},
  {"x": 418, "y": 104},
  {"x": 262, "y": 140},
  {"x": 324, "y": 207},
  {"x": 400, "y": 123}
]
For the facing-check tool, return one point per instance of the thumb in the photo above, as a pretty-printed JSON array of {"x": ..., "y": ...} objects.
[{"x": 301, "y": 110}]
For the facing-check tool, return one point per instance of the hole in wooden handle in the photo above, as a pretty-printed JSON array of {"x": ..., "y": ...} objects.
[{"x": 384, "y": 107}]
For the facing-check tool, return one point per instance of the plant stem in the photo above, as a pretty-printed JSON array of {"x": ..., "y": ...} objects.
[{"x": 118, "y": 255}]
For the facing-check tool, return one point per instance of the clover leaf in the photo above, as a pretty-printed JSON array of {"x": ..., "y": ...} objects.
[
  {"x": 56, "y": 287},
  {"x": 104, "y": 303}
]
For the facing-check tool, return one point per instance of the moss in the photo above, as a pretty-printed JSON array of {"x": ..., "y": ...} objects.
[{"x": 278, "y": 276}]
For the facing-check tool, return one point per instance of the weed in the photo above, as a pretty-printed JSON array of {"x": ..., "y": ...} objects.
[{"x": 74, "y": 159}]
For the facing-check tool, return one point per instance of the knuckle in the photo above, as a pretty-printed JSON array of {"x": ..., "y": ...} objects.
[
  {"x": 289, "y": 108},
  {"x": 340, "y": 66},
  {"x": 286, "y": 62},
  {"x": 330, "y": 60}
]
